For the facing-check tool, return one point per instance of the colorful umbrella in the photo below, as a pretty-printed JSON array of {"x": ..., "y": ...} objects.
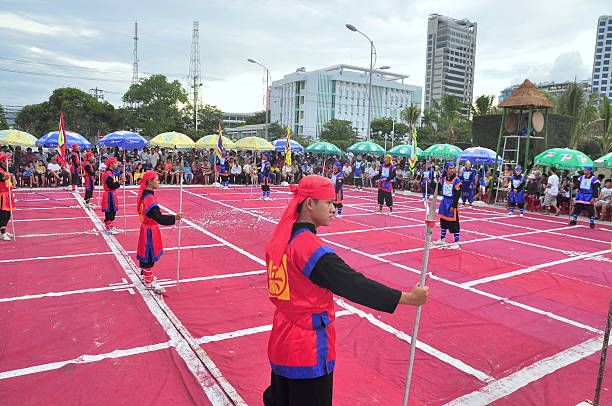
[
  {"x": 254, "y": 144},
  {"x": 442, "y": 151},
  {"x": 126, "y": 140},
  {"x": 210, "y": 141},
  {"x": 366, "y": 147},
  {"x": 17, "y": 138},
  {"x": 171, "y": 140},
  {"x": 280, "y": 145},
  {"x": 49, "y": 140},
  {"x": 603, "y": 162},
  {"x": 479, "y": 155},
  {"x": 404, "y": 150},
  {"x": 563, "y": 158},
  {"x": 323, "y": 148}
]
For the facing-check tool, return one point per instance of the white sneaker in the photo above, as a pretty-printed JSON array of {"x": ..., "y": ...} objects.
[
  {"x": 521, "y": 215},
  {"x": 154, "y": 287},
  {"x": 338, "y": 216},
  {"x": 509, "y": 213},
  {"x": 378, "y": 211},
  {"x": 112, "y": 231},
  {"x": 262, "y": 198},
  {"x": 90, "y": 205},
  {"x": 454, "y": 246},
  {"x": 5, "y": 237},
  {"x": 439, "y": 242}
]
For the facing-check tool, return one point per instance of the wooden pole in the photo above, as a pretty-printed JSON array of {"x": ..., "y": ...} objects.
[{"x": 604, "y": 353}]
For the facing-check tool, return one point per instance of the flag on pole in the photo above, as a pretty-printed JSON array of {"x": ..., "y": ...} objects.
[
  {"x": 220, "y": 142},
  {"x": 61, "y": 142},
  {"x": 288, "y": 147},
  {"x": 413, "y": 153}
]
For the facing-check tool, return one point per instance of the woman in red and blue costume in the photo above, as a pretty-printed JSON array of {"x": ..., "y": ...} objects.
[
  {"x": 264, "y": 176},
  {"x": 90, "y": 177},
  {"x": 75, "y": 167},
  {"x": 448, "y": 212},
  {"x": 109, "y": 204},
  {"x": 337, "y": 177},
  {"x": 303, "y": 275},
  {"x": 150, "y": 247},
  {"x": 386, "y": 175},
  {"x": 7, "y": 199}
]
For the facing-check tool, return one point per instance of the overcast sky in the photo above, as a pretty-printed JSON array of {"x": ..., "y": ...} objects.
[{"x": 539, "y": 40}]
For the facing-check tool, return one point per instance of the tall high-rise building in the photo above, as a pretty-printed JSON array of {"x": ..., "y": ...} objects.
[
  {"x": 451, "y": 48},
  {"x": 602, "y": 78},
  {"x": 306, "y": 100}
]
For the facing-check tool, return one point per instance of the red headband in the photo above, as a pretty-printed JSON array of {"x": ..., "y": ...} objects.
[
  {"x": 148, "y": 175},
  {"x": 111, "y": 160},
  {"x": 310, "y": 187}
]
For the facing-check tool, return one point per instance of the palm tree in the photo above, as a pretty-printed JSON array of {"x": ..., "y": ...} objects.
[
  {"x": 448, "y": 115},
  {"x": 429, "y": 118},
  {"x": 602, "y": 128},
  {"x": 483, "y": 105},
  {"x": 410, "y": 115},
  {"x": 572, "y": 103}
]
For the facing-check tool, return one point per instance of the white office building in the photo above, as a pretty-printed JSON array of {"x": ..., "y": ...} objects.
[
  {"x": 602, "y": 62},
  {"x": 451, "y": 50},
  {"x": 307, "y": 100}
]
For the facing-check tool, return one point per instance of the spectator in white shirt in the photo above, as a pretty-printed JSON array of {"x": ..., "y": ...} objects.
[
  {"x": 54, "y": 172},
  {"x": 552, "y": 190}
]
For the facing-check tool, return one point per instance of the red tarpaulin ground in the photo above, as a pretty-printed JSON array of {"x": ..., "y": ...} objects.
[{"x": 514, "y": 318}]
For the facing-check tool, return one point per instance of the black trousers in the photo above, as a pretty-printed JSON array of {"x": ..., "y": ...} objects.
[
  {"x": 579, "y": 207},
  {"x": 358, "y": 181},
  {"x": 265, "y": 188},
  {"x": 109, "y": 216},
  {"x": 5, "y": 216},
  {"x": 452, "y": 226},
  {"x": 299, "y": 392},
  {"x": 75, "y": 179},
  {"x": 88, "y": 195},
  {"x": 385, "y": 197}
]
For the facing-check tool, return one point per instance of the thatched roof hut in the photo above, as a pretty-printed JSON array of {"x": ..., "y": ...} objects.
[{"x": 527, "y": 95}]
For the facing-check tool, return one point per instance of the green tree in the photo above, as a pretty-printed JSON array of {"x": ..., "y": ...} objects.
[
  {"x": 583, "y": 111},
  {"x": 601, "y": 128},
  {"x": 429, "y": 117},
  {"x": 257, "y": 118},
  {"x": 401, "y": 129},
  {"x": 157, "y": 105},
  {"x": 482, "y": 105},
  {"x": 380, "y": 127},
  {"x": 447, "y": 116},
  {"x": 3, "y": 123},
  {"x": 339, "y": 133},
  {"x": 410, "y": 115}
]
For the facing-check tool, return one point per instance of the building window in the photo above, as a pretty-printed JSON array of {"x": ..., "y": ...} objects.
[{"x": 602, "y": 29}]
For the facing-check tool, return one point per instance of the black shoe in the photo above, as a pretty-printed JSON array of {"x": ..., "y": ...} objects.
[
  {"x": 592, "y": 225},
  {"x": 572, "y": 223}
]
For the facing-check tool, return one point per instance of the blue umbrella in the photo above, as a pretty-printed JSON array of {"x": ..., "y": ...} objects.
[
  {"x": 49, "y": 140},
  {"x": 279, "y": 145},
  {"x": 126, "y": 140},
  {"x": 479, "y": 155}
]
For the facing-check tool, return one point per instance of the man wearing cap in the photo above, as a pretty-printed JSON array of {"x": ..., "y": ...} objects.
[
  {"x": 386, "y": 175},
  {"x": 337, "y": 177},
  {"x": 427, "y": 179},
  {"x": 448, "y": 211},
  {"x": 516, "y": 197},
  {"x": 150, "y": 248},
  {"x": 7, "y": 200},
  {"x": 588, "y": 190},
  {"x": 303, "y": 275},
  {"x": 110, "y": 183},
  {"x": 75, "y": 167},
  {"x": 468, "y": 182},
  {"x": 264, "y": 176},
  {"x": 359, "y": 169},
  {"x": 90, "y": 176}
]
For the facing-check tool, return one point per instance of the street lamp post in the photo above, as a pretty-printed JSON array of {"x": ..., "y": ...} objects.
[
  {"x": 372, "y": 63},
  {"x": 266, "y": 95},
  {"x": 393, "y": 130}
]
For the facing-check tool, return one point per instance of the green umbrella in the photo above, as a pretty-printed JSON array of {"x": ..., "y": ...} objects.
[
  {"x": 604, "y": 162},
  {"x": 563, "y": 158},
  {"x": 404, "y": 150},
  {"x": 323, "y": 148},
  {"x": 366, "y": 147},
  {"x": 442, "y": 151}
]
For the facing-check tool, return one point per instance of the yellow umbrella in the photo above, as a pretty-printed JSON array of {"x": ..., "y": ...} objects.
[
  {"x": 210, "y": 141},
  {"x": 253, "y": 144},
  {"x": 172, "y": 139},
  {"x": 17, "y": 138}
]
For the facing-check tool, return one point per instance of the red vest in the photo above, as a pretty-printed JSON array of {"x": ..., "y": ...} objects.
[
  {"x": 109, "y": 197},
  {"x": 5, "y": 203},
  {"x": 302, "y": 341},
  {"x": 75, "y": 168},
  {"x": 89, "y": 180},
  {"x": 150, "y": 247}
]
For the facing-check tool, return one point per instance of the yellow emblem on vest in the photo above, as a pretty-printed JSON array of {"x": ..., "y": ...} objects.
[{"x": 278, "y": 280}]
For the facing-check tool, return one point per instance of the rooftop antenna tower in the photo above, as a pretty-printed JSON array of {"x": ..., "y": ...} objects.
[
  {"x": 135, "y": 69},
  {"x": 194, "y": 79}
]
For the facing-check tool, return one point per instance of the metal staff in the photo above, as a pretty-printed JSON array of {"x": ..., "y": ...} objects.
[
  {"x": 604, "y": 353},
  {"x": 124, "y": 198},
  {"x": 178, "y": 245},
  {"x": 429, "y": 221},
  {"x": 10, "y": 175}
]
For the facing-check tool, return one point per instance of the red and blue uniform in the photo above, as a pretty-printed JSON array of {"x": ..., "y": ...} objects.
[
  {"x": 89, "y": 176},
  {"x": 223, "y": 170},
  {"x": 449, "y": 186},
  {"x": 387, "y": 174},
  {"x": 264, "y": 179},
  {"x": 75, "y": 163},
  {"x": 338, "y": 179},
  {"x": 302, "y": 341},
  {"x": 468, "y": 181},
  {"x": 150, "y": 247},
  {"x": 109, "y": 197}
]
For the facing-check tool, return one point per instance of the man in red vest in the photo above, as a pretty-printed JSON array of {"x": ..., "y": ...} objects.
[{"x": 303, "y": 276}]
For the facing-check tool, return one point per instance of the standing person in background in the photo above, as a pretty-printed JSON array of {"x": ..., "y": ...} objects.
[
  {"x": 264, "y": 177},
  {"x": 551, "y": 191},
  {"x": 90, "y": 178},
  {"x": 338, "y": 178},
  {"x": 224, "y": 162},
  {"x": 7, "y": 199},
  {"x": 468, "y": 183},
  {"x": 516, "y": 197},
  {"x": 75, "y": 167},
  {"x": 110, "y": 205},
  {"x": 359, "y": 171},
  {"x": 588, "y": 190},
  {"x": 448, "y": 211},
  {"x": 428, "y": 177},
  {"x": 386, "y": 175}
]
